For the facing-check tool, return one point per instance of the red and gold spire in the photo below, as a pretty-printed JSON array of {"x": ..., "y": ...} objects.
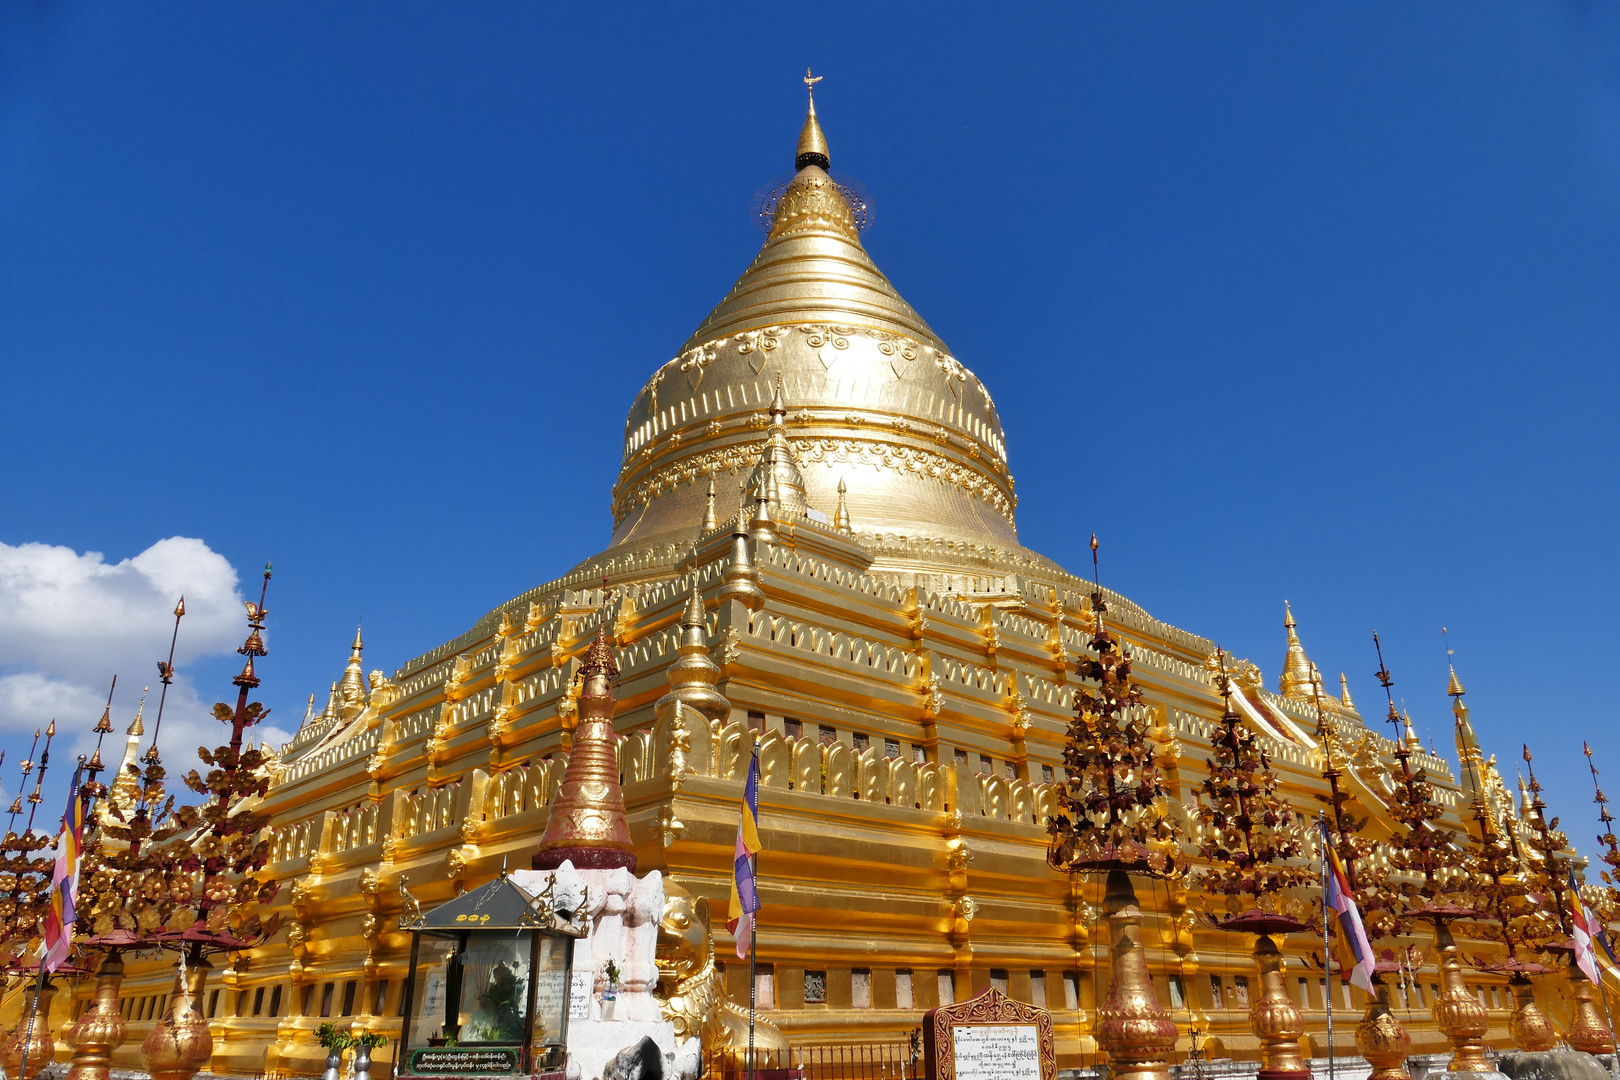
[{"x": 587, "y": 825}]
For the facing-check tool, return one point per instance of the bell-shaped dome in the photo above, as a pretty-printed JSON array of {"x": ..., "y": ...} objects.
[{"x": 870, "y": 396}]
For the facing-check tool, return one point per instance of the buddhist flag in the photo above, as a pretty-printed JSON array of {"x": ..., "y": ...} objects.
[
  {"x": 1355, "y": 952},
  {"x": 744, "y": 897},
  {"x": 60, "y": 915},
  {"x": 1586, "y": 930}
]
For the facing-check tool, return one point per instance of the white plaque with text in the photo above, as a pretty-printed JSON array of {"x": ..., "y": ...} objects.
[{"x": 996, "y": 1051}]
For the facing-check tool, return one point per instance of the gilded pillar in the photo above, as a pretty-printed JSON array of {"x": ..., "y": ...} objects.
[
  {"x": 1137, "y": 1035},
  {"x": 1274, "y": 1019},
  {"x": 101, "y": 1029},
  {"x": 1529, "y": 1025},
  {"x": 37, "y": 1036},
  {"x": 1381, "y": 1038},
  {"x": 1587, "y": 1031},
  {"x": 1457, "y": 1012},
  {"x": 180, "y": 1042}
]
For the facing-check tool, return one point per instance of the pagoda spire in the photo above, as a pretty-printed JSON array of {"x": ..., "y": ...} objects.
[
  {"x": 1470, "y": 758},
  {"x": 126, "y": 787},
  {"x": 693, "y": 676},
  {"x": 352, "y": 687},
  {"x": 1344, "y": 692},
  {"x": 841, "y": 517},
  {"x": 778, "y": 470},
  {"x": 1297, "y": 679},
  {"x": 812, "y": 148},
  {"x": 587, "y": 825},
  {"x": 710, "y": 522},
  {"x": 741, "y": 579}
]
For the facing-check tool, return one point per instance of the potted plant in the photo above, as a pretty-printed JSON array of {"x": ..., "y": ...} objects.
[
  {"x": 335, "y": 1041},
  {"x": 363, "y": 1044}
]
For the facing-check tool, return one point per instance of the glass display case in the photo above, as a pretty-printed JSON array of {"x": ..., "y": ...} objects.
[{"x": 488, "y": 989}]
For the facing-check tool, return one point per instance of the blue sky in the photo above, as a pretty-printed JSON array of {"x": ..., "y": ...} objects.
[{"x": 1281, "y": 301}]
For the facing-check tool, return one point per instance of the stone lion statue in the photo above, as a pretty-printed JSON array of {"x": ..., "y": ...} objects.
[{"x": 689, "y": 990}]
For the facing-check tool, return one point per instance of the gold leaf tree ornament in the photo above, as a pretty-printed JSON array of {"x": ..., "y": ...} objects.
[
  {"x": 1253, "y": 844},
  {"x": 1429, "y": 881},
  {"x": 1113, "y": 817},
  {"x": 1552, "y": 876},
  {"x": 1496, "y": 887}
]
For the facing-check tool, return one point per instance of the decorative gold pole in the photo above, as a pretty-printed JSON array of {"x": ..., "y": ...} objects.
[
  {"x": 1275, "y": 1019},
  {"x": 1531, "y": 1029},
  {"x": 1137, "y": 1035},
  {"x": 101, "y": 1029},
  {"x": 1381, "y": 1038},
  {"x": 1587, "y": 1031},
  {"x": 1457, "y": 1012},
  {"x": 41, "y": 1047},
  {"x": 180, "y": 1042}
]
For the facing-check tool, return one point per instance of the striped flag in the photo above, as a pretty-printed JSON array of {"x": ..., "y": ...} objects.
[
  {"x": 1355, "y": 952},
  {"x": 744, "y": 897},
  {"x": 1587, "y": 929},
  {"x": 60, "y": 915}
]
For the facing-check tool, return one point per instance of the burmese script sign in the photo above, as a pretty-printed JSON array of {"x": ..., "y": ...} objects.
[
  {"x": 464, "y": 1061},
  {"x": 990, "y": 1037},
  {"x": 996, "y": 1051}
]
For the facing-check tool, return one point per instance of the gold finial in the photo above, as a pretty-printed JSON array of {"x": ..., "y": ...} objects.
[
  {"x": 1455, "y": 689},
  {"x": 1298, "y": 672},
  {"x": 1344, "y": 692},
  {"x": 710, "y": 521},
  {"x": 812, "y": 143},
  {"x": 841, "y": 516}
]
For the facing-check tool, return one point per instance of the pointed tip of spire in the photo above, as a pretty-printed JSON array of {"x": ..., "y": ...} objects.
[
  {"x": 1455, "y": 688},
  {"x": 779, "y": 397},
  {"x": 812, "y": 149},
  {"x": 358, "y": 644},
  {"x": 693, "y": 615},
  {"x": 1288, "y": 616}
]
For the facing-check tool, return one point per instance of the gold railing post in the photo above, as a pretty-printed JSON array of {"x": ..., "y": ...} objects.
[
  {"x": 1381, "y": 1038},
  {"x": 101, "y": 1029},
  {"x": 1137, "y": 1035}
]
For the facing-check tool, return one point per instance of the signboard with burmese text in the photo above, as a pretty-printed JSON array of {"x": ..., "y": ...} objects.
[{"x": 989, "y": 1037}]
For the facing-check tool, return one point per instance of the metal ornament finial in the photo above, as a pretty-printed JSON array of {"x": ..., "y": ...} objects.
[{"x": 810, "y": 84}]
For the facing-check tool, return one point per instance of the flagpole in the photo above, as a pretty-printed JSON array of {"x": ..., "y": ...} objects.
[
  {"x": 1614, "y": 1058},
  {"x": 1327, "y": 947},
  {"x": 753, "y": 979},
  {"x": 39, "y": 983}
]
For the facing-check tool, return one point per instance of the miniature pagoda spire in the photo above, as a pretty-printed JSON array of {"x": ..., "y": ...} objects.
[
  {"x": 741, "y": 579},
  {"x": 1344, "y": 692},
  {"x": 587, "y": 825},
  {"x": 778, "y": 472},
  {"x": 693, "y": 676},
  {"x": 352, "y": 687},
  {"x": 1298, "y": 674},
  {"x": 710, "y": 522},
  {"x": 841, "y": 515},
  {"x": 126, "y": 785}
]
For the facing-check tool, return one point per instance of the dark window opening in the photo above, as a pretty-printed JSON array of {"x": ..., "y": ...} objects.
[
  {"x": 275, "y": 1001},
  {"x": 792, "y": 728},
  {"x": 348, "y": 998},
  {"x": 326, "y": 999},
  {"x": 258, "y": 1001}
]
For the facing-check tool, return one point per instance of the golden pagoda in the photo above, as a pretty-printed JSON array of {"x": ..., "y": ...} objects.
[{"x": 813, "y": 547}]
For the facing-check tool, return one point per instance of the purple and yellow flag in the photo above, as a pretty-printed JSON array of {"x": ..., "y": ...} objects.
[
  {"x": 744, "y": 897},
  {"x": 59, "y": 917},
  {"x": 1355, "y": 951}
]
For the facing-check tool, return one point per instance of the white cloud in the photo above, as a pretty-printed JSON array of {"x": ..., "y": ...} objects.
[{"x": 70, "y": 620}]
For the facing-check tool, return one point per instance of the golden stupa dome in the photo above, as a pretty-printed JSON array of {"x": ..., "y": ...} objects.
[{"x": 873, "y": 398}]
